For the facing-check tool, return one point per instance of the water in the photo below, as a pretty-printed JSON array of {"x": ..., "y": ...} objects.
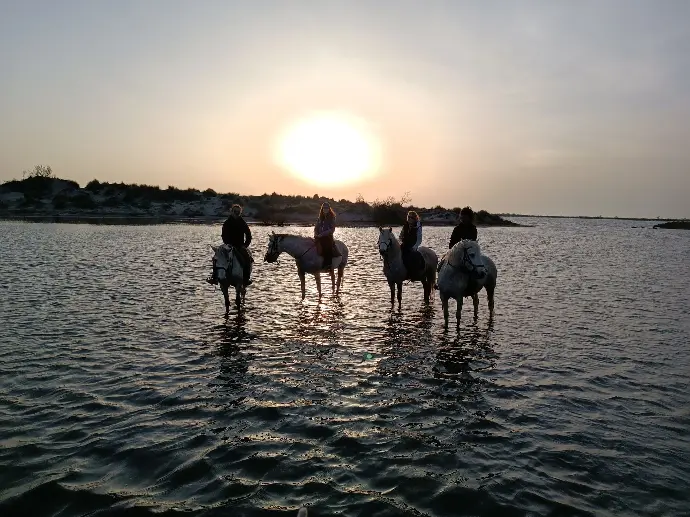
[{"x": 124, "y": 390}]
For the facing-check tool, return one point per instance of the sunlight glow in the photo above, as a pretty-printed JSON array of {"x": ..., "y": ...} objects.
[{"x": 329, "y": 148}]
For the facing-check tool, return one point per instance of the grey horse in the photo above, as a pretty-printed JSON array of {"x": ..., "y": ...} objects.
[
  {"x": 394, "y": 269},
  {"x": 229, "y": 273},
  {"x": 464, "y": 271},
  {"x": 303, "y": 250}
]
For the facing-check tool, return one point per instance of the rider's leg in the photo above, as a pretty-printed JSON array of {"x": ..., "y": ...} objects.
[
  {"x": 213, "y": 279},
  {"x": 243, "y": 255}
]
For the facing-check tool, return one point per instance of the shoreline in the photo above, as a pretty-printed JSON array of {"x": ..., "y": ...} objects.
[{"x": 209, "y": 220}]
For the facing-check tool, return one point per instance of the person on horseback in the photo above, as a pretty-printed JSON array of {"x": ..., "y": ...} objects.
[
  {"x": 410, "y": 240},
  {"x": 465, "y": 229},
  {"x": 236, "y": 233},
  {"x": 323, "y": 234}
]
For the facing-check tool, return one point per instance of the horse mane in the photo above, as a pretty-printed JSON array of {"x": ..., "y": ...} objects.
[{"x": 294, "y": 235}]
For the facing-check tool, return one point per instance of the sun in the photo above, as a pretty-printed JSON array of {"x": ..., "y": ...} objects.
[{"x": 329, "y": 148}]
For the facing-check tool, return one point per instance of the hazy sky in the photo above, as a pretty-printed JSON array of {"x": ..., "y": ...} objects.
[{"x": 579, "y": 107}]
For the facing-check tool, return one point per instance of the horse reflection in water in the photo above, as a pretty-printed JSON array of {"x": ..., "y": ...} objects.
[
  {"x": 407, "y": 341},
  {"x": 317, "y": 329},
  {"x": 231, "y": 340},
  {"x": 470, "y": 351}
]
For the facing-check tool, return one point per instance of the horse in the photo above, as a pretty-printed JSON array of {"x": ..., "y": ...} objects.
[
  {"x": 229, "y": 272},
  {"x": 464, "y": 271},
  {"x": 307, "y": 259},
  {"x": 394, "y": 268}
]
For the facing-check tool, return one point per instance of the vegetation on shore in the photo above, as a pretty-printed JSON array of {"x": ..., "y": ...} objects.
[
  {"x": 41, "y": 193},
  {"x": 674, "y": 225}
]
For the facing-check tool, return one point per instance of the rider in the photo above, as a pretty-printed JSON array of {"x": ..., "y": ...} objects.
[
  {"x": 323, "y": 233},
  {"x": 410, "y": 240},
  {"x": 466, "y": 229},
  {"x": 236, "y": 233}
]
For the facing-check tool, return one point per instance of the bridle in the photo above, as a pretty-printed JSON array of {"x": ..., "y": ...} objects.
[
  {"x": 228, "y": 268},
  {"x": 463, "y": 266},
  {"x": 389, "y": 245}
]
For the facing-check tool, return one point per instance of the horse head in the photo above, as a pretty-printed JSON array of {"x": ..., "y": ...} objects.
[
  {"x": 274, "y": 250},
  {"x": 386, "y": 240},
  {"x": 470, "y": 258},
  {"x": 222, "y": 261}
]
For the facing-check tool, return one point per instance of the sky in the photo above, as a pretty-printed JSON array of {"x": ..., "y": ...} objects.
[{"x": 535, "y": 107}]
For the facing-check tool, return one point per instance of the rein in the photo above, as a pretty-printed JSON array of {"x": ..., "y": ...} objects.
[{"x": 463, "y": 266}]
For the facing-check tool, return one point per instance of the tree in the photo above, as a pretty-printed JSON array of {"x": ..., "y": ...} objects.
[{"x": 39, "y": 171}]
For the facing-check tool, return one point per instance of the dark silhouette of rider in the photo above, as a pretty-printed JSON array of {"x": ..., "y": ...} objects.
[
  {"x": 465, "y": 229},
  {"x": 236, "y": 233},
  {"x": 410, "y": 240},
  {"x": 323, "y": 234}
]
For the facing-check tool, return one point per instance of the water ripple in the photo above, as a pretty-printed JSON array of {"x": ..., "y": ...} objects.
[{"x": 124, "y": 390}]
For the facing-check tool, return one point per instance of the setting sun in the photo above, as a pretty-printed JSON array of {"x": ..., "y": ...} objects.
[{"x": 329, "y": 149}]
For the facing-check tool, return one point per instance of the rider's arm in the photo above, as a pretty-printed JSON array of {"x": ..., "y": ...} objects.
[
  {"x": 453, "y": 238},
  {"x": 329, "y": 229},
  {"x": 225, "y": 235},
  {"x": 247, "y": 234},
  {"x": 418, "y": 242}
]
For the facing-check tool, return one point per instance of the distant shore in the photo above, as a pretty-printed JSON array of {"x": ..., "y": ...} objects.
[
  {"x": 42, "y": 197},
  {"x": 210, "y": 220}
]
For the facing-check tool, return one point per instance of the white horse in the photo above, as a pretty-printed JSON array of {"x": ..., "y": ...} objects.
[
  {"x": 394, "y": 268},
  {"x": 229, "y": 272},
  {"x": 303, "y": 250},
  {"x": 464, "y": 271}
]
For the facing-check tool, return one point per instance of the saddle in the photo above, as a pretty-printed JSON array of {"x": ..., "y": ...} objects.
[
  {"x": 335, "y": 253},
  {"x": 237, "y": 267},
  {"x": 416, "y": 266}
]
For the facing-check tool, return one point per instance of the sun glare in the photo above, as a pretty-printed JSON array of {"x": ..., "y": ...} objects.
[{"x": 329, "y": 149}]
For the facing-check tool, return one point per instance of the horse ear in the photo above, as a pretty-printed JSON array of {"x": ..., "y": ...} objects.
[
  {"x": 380, "y": 229},
  {"x": 390, "y": 228},
  {"x": 214, "y": 248},
  {"x": 273, "y": 232}
]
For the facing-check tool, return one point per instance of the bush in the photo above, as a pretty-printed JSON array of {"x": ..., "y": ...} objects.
[
  {"x": 94, "y": 186},
  {"x": 60, "y": 201},
  {"x": 389, "y": 210},
  {"x": 83, "y": 201},
  {"x": 269, "y": 216},
  {"x": 39, "y": 171},
  {"x": 111, "y": 202},
  {"x": 209, "y": 192}
]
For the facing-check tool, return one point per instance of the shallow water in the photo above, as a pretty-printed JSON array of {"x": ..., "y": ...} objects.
[{"x": 124, "y": 390}]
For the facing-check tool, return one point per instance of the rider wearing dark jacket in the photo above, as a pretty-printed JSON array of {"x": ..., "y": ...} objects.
[
  {"x": 323, "y": 234},
  {"x": 466, "y": 229},
  {"x": 410, "y": 240},
  {"x": 236, "y": 233}
]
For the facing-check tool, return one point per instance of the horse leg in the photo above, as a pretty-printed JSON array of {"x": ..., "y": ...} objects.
[
  {"x": 444, "y": 303},
  {"x": 427, "y": 291},
  {"x": 392, "y": 286},
  {"x": 400, "y": 294},
  {"x": 490, "y": 297},
  {"x": 341, "y": 272},
  {"x": 332, "y": 273},
  {"x": 458, "y": 312},
  {"x": 475, "y": 301},
  {"x": 238, "y": 295},
  {"x": 317, "y": 277},
  {"x": 226, "y": 296},
  {"x": 302, "y": 283}
]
